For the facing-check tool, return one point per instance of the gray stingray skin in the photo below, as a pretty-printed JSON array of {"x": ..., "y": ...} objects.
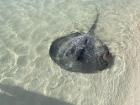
[{"x": 81, "y": 52}]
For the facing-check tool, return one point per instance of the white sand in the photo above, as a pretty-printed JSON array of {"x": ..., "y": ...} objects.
[{"x": 28, "y": 27}]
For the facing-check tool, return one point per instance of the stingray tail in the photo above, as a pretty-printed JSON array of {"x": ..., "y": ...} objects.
[{"x": 93, "y": 27}]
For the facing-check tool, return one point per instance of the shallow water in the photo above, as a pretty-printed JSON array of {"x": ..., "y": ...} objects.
[{"x": 27, "y": 29}]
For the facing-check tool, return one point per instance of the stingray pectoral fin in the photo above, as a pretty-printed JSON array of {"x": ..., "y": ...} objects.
[{"x": 56, "y": 44}]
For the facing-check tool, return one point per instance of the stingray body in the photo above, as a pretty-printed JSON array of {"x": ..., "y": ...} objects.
[{"x": 81, "y": 52}]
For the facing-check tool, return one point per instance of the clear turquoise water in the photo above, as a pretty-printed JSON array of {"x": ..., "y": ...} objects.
[{"x": 27, "y": 28}]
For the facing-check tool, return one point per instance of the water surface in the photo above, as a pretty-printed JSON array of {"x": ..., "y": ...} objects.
[{"x": 28, "y": 27}]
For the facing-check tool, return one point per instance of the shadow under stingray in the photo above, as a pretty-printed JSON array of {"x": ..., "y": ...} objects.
[{"x": 13, "y": 95}]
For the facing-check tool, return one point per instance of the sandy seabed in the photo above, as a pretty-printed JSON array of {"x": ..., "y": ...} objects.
[{"x": 28, "y": 75}]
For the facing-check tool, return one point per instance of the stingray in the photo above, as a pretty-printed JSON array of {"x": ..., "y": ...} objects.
[{"x": 81, "y": 52}]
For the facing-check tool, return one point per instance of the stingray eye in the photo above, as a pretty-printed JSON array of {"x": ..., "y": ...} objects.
[{"x": 108, "y": 53}]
